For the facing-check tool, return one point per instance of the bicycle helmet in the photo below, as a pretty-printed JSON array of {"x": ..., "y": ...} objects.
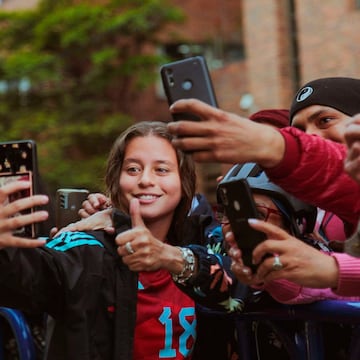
[{"x": 300, "y": 216}]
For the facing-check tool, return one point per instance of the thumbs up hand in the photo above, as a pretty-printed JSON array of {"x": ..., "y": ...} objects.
[{"x": 139, "y": 249}]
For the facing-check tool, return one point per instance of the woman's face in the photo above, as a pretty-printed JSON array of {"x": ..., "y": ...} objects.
[
  {"x": 150, "y": 173},
  {"x": 323, "y": 121},
  {"x": 268, "y": 211}
]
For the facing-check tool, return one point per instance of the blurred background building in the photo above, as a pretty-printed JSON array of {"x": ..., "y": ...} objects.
[{"x": 259, "y": 52}]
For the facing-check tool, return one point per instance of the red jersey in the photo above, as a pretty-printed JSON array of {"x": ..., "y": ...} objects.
[{"x": 166, "y": 321}]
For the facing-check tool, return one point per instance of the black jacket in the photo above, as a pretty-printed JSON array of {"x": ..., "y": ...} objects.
[
  {"x": 84, "y": 287},
  {"x": 90, "y": 295}
]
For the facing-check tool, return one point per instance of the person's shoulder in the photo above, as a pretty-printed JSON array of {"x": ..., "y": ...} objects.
[{"x": 69, "y": 240}]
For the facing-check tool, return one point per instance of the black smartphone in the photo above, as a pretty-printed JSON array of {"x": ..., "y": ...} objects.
[
  {"x": 68, "y": 203},
  {"x": 238, "y": 203},
  {"x": 185, "y": 79},
  {"x": 18, "y": 161}
]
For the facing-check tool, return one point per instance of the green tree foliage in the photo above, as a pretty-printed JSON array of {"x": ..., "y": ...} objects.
[{"x": 68, "y": 72}]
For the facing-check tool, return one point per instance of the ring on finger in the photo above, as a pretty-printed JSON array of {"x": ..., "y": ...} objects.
[
  {"x": 129, "y": 248},
  {"x": 277, "y": 264}
]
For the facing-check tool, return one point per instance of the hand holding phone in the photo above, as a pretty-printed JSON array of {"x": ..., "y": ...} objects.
[
  {"x": 238, "y": 202},
  {"x": 186, "y": 79},
  {"x": 18, "y": 161}
]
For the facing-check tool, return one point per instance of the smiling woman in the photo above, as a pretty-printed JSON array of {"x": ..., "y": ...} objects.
[{"x": 145, "y": 278}]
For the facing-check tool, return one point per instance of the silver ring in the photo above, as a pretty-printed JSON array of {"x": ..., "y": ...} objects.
[
  {"x": 129, "y": 248},
  {"x": 277, "y": 264}
]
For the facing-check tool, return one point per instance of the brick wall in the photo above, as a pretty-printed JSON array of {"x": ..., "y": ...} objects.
[
  {"x": 328, "y": 45},
  {"x": 17, "y": 4},
  {"x": 329, "y": 39}
]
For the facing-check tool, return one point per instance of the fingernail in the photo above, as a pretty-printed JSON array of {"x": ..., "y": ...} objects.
[
  {"x": 228, "y": 234},
  {"x": 253, "y": 221}
]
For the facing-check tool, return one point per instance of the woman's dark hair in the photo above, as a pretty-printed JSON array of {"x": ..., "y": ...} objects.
[{"x": 185, "y": 163}]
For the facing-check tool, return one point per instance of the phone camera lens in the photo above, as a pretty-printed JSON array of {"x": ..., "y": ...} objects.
[{"x": 187, "y": 85}]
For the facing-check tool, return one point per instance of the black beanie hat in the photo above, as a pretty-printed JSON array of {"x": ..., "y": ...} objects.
[{"x": 340, "y": 93}]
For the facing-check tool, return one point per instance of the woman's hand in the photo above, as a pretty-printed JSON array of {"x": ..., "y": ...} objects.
[
  {"x": 95, "y": 202},
  {"x": 11, "y": 219},
  {"x": 243, "y": 273},
  {"x": 141, "y": 251},
  {"x": 301, "y": 263},
  {"x": 101, "y": 220}
]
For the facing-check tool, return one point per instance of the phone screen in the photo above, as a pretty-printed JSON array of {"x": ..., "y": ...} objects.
[{"x": 18, "y": 162}]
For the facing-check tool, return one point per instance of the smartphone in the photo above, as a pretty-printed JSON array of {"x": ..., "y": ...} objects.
[
  {"x": 237, "y": 200},
  {"x": 68, "y": 203},
  {"x": 18, "y": 161},
  {"x": 185, "y": 79}
]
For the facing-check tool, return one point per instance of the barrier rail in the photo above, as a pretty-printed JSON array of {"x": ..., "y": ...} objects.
[{"x": 21, "y": 331}]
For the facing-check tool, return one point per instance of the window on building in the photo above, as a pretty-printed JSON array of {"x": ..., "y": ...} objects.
[{"x": 217, "y": 55}]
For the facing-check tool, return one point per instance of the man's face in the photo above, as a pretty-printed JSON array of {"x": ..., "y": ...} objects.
[{"x": 323, "y": 121}]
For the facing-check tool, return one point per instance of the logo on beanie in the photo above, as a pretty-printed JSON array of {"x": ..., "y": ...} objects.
[{"x": 304, "y": 93}]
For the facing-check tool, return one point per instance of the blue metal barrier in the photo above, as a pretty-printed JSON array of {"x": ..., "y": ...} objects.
[
  {"x": 21, "y": 331},
  {"x": 307, "y": 345}
]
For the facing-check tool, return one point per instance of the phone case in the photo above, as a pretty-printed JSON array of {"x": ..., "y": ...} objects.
[
  {"x": 68, "y": 203},
  {"x": 185, "y": 79},
  {"x": 18, "y": 161},
  {"x": 239, "y": 206}
]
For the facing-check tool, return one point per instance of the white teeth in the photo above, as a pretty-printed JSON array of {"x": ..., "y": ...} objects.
[{"x": 147, "y": 197}]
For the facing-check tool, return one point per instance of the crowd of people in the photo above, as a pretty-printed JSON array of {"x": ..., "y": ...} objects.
[{"x": 136, "y": 277}]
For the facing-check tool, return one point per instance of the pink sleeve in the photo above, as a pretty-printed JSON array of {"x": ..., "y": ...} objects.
[
  {"x": 287, "y": 292},
  {"x": 349, "y": 275}
]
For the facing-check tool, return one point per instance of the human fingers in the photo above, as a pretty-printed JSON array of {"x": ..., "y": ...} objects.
[
  {"x": 267, "y": 271},
  {"x": 12, "y": 188},
  {"x": 135, "y": 214},
  {"x": 98, "y": 200},
  {"x": 99, "y": 221},
  {"x": 354, "y": 151},
  {"x": 272, "y": 232},
  {"x": 22, "y": 204},
  {"x": 84, "y": 212},
  {"x": 16, "y": 222},
  {"x": 53, "y": 232},
  {"x": 10, "y": 240},
  {"x": 352, "y": 161},
  {"x": 229, "y": 238},
  {"x": 241, "y": 272},
  {"x": 95, "y": 202},
  {"x": 135, "y": 240},
  {"x": 194, "y": 106},
  {"x": 352, "y": 131},
  {"x": 302, "y": 264}
]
